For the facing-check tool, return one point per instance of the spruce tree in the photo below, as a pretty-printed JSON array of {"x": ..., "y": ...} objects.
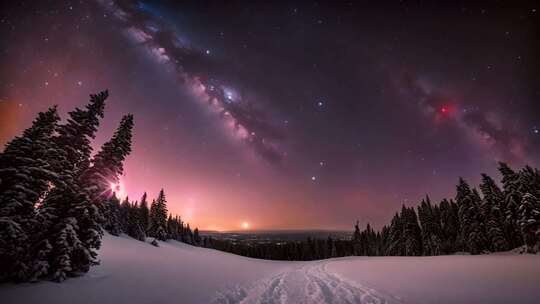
[
  {"x": 25, "y": 177},
  {"x": 125, "y": 207},
  {"x": 158, "y": 217},
  {"x": 111, "y": 222},
  {"x": 108, "y": 166},
  {"x": 144, "y": 213},
  {"x": 385, "y": 239},
  {"x": 395, "y": 237},
  {"x": 431, "y": 241},
  {"x": 529, "y": 222},
  {"x": 66, "y": 206},
  {"x": 370, "y": 241},
  {"x": 472, "y": 231},
  {"x": 134, "y": 227},
  {"x": 493, "y": 199},
  {"x": 411, "y": 232},
  {"x": 529, "y": 181},
  {"x": 171, "y": 229},
  {"x": 510, "y": 205},
  {"x": 449, "y": 227}
]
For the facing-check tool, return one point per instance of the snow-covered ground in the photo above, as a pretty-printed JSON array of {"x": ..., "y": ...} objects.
[{"x": 134, "y": 272}]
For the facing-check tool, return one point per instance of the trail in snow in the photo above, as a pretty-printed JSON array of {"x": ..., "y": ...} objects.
[{"x": 310, "y": 283}]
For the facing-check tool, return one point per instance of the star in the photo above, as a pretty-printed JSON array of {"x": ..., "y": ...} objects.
[
  {"x": 79, "y": 83},
  {"x": 207, "y": 52}
]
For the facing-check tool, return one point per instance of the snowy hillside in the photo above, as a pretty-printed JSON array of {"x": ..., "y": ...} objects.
[{"x": 135, "y": 272}]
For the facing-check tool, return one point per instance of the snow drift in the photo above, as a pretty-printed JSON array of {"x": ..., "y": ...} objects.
[{"x": 136, "y": 272}]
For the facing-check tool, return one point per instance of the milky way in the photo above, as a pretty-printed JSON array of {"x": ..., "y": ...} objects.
[
  {"x": 484, "y": 126},
  {"x": 196, "y": 70},
  {"x": 311, "y": 114}
]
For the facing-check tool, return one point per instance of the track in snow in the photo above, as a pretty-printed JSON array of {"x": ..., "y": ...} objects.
[{"x": 309, "y": 283}]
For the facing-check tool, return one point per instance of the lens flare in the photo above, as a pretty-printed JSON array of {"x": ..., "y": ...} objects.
[{"x": 119, "y": 189}]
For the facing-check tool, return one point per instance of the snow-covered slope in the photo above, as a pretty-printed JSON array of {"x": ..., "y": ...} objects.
[{"x": 135, "y": 272}]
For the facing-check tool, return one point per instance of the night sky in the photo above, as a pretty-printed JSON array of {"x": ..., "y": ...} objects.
[{"x": 286, "y": 114}]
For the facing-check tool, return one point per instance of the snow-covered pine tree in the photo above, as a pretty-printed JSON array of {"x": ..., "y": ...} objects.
[
  {"x": 431, "y": 241},
  {"x": 510, "y": 204},
  {"x": 529, "y": 181},
  {"x": 385, "y": 237},
  {"x": 370, "y": 241},
  {"x": 183, "y": 230},
  {"x": 436, "y": 213},
  {"x": 395, "y": 237},
  {"x": 111, "y": 222},
  {"x": 493, "y": 218},
  {"x": 144, "y": 213},
  {"x": 107, "y": 167},
  {"x": 529, "y": 222},
  {"x": 472, "y": 231},
  {"x": 125, "y": 206},
  {"x": 379, "y": 244},
  {"x": 449, "y": 227},
  {"x": 65, "y": 249},
  {"x": 74, "y": 136},
  {"x": 411, "y": 232},
  {"x": 172, "y": 227},
  {"x": 158, "y": 217},
  {"x": 63, "y": 206},
  {"x": 152, "y": 218},
  {"x": 25, "y": 176},
  {"x": 171, "y": 230},
  {"x": 134, "y": 227}
]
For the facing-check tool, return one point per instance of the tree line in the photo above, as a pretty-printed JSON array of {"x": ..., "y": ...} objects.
[
  {"x": 53, "y": 193},
  {"x": 139, "y": 221},
  {"x": 56, "y": 199},
  {"x": 476, "y": 221}
]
